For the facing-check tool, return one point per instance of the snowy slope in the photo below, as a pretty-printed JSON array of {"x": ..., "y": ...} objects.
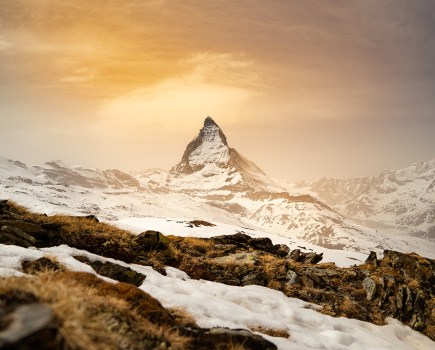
[
  {"x": 213, "y": 304},
  {"x": 402, "y": 200}
]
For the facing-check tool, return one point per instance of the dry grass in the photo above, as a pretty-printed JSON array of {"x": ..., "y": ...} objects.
[
  {"x": 99, "y": 238},
  {"x": 183, "y": 317},
  {"x": 96, "y": 315},
  {"x": 270, "y": 331},
  {"x": 82, "y": 233}
]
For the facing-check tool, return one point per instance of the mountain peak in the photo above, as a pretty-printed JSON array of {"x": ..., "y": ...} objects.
[
  {"x": 210, "y": 122},
  {"x": 216, "y": 165}
]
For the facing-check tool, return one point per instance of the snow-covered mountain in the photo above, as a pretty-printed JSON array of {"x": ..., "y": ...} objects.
[
  {"x": 208, "y": 163},
  {"x": 212, "y": 182},
  {"x": 402, "y": 200}
]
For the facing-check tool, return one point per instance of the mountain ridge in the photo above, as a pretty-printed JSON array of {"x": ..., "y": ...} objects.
[
  {"x": 221, "y": 192},
  {"x": 399, "y": 199}
]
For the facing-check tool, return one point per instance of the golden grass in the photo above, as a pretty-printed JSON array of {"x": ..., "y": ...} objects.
[
  {"x": 92, "y": 314},
  {"x": 99, "y": 238},
  {"x": 270, "y": 331}
]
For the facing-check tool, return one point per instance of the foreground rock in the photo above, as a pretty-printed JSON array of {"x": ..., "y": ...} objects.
[
  {"x": 29, "y": 327},
  {"x": 114, "y": 271}
]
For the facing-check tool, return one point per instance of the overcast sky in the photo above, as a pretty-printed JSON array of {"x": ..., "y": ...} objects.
[{"x": 304, "y": 89}]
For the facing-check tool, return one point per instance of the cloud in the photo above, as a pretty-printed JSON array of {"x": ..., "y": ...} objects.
[
  {"x": 5, "y": 45},
  {"x": 183, "y": 100}
]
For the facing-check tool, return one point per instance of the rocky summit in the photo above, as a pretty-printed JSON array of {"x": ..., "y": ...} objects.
[{"x": 208, "y": 158}]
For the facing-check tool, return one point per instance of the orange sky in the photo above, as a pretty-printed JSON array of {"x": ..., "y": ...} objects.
[{"x": 302, "y": 88}]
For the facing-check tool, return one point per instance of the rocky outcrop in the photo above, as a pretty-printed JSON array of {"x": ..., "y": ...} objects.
[
  {"x": 114, "y": 271},
  {"x": 398, "y": 285},
  {"x": 305, "y": 258}
]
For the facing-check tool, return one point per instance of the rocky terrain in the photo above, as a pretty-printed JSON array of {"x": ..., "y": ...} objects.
[{"x": 44, "y": 309}]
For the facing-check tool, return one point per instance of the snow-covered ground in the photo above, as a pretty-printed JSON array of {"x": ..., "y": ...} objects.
[
  {"x": 213, "y": 304},
  {"x": 180, "y": 227}
]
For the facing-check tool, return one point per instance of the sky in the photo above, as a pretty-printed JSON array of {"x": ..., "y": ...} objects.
[{"x": 305, "y": 89}]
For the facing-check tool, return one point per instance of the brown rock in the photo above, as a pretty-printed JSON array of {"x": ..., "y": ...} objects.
[{"x": 29, "y": 327}]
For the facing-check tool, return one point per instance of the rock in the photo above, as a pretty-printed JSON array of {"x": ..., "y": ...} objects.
[
  {"x": 254, "y": 278},
  {"x": 295, "y": 255},
  {"x": 151, "y": 240},
  {"x": 239, "y": 239},
  {"x": 40, "y": 265},
  {"x": 249, "y": 258},
  {"x": 225, "y": 338},
  {"x": 312, "y": 280},
  {"x": 313, "y": 258},
  {"x": 280, "y": 250},
  {"x": 372, "y": 259},
  {"x": 305, "y": 258},
  {"x": 292, "y": 277},
  {"x": 31, "y": 326},
  {"x": 28, "y": 227},
  {"x": 263, "y": 243},
  {"x": 199, "y": 223},
  {"x": 370, "y": 287},
  {"x": 114, "y": 271},
  {"x": 19, "y": 233},
  {"x": 8, "y": 238}
]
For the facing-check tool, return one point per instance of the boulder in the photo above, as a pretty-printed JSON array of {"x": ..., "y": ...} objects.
[
  {"x": 40, "y": 265},
  {"x": 305, "y": 258},
  {"x": 262, "y": 243},
  {"x": 249, "y": 258},
  {"x": 29, "y": 327},
  {"x": 280, "y": 250},
  {"x": 114, "y": 271},
  {"x": 292, "y": 278},
  {"x": 20, "y": 234},
  {"x": 369, "y": 286},
  {"x": 28, "y": 227},
  {"x": 151, "y": 240}
]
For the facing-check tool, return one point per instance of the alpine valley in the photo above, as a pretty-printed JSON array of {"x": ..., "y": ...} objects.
[{"x": 214, "y": 183}]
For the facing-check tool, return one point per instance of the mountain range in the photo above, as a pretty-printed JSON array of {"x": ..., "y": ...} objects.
[{"x": 214, "y": 182}]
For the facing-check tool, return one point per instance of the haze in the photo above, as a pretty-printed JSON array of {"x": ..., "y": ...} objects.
[{"x": 303, "y": 88}]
